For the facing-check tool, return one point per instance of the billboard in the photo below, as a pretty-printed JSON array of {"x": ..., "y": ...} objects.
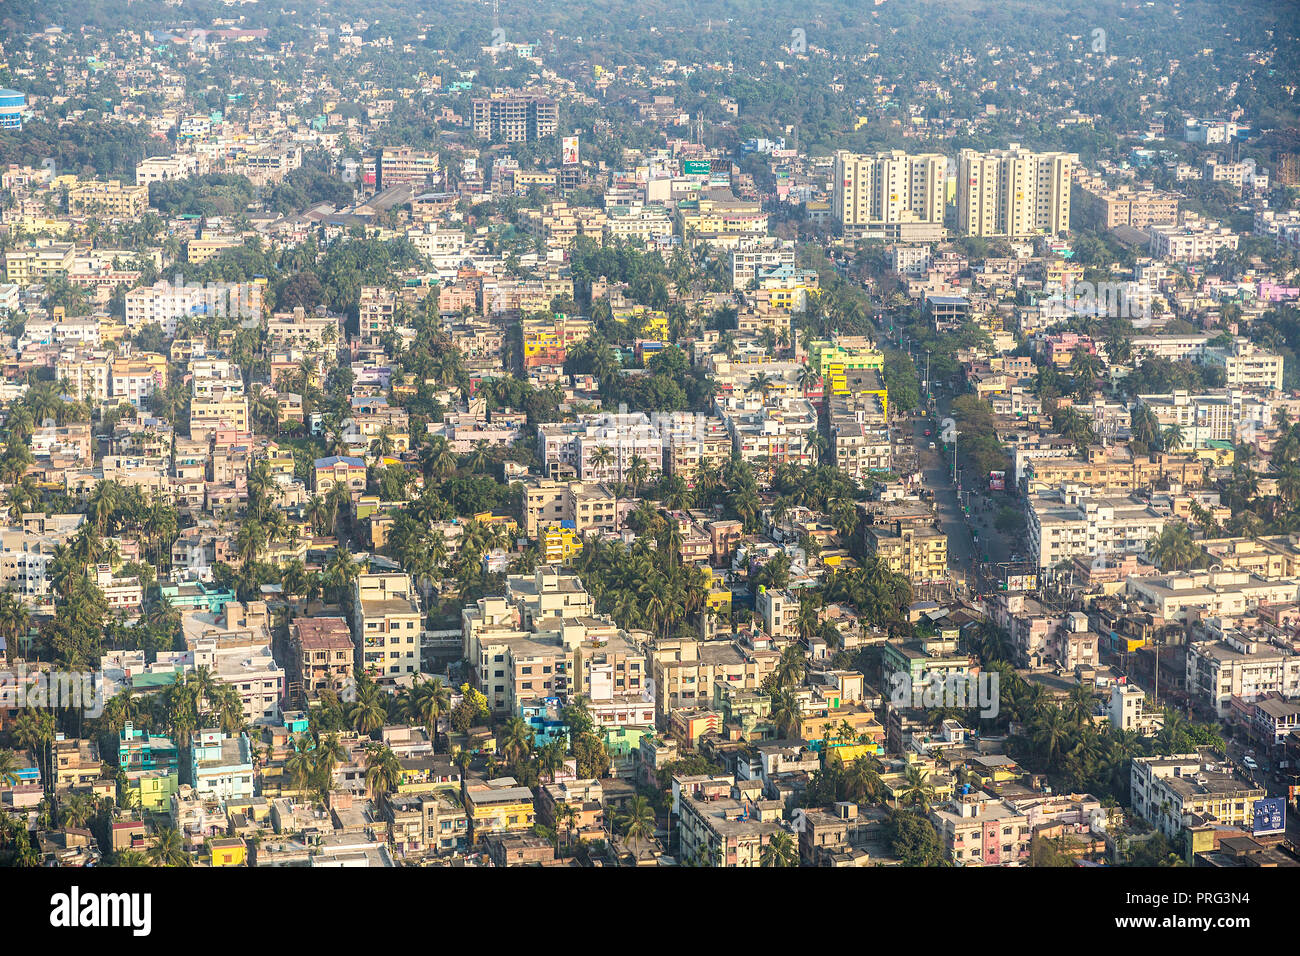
[
  {"x": 1270, "y": 816},
  {"x": 997, "y": 481},
  {"x": 697, "y": 167},
  {"x": 569, "y": 151}
]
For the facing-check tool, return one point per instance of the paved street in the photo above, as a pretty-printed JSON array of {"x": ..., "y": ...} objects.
[{"x": 935, "y": 476}]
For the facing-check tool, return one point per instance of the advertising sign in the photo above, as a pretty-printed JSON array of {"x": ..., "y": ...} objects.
[
  {"x": 697, "y": 167},
  {"x": 569, "y": 151},
  {"x": 1270, "y": 816}
]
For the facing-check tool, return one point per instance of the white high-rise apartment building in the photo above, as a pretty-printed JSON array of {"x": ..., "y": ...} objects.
[
  {"x": 872, "y": 192},
  {"x": 1013, "y": 192}
]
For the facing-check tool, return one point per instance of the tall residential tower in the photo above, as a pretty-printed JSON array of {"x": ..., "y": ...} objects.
[
  {"x": 873, "y": 193},
  {"x": 1013, "y": 193}
]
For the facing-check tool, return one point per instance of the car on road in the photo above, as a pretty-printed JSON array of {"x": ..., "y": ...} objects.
[
  {"x": 1250, "y": 763},
  {"x": 927, "y": 435}
]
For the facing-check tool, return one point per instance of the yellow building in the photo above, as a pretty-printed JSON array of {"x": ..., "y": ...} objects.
[
  {"x": 153, "y": 788},
  {"x": 222, "y": 409},
  {"x": 1061, "y": 274},
  {"x": 559, "y": 544},
  {"x": 562, "y": 332},
  {"x": 834, "y": 360},
  {"x": 497, "y": 806},
  {"x": 1220, "y": 454},
  {"x": 788, "y": 288},
  {"x": 653, "y": 323},
  {"x": 39, "y": 263},
  {"x": 719, "y": 600},
  {"x": 851, "y": 752},
  {"x": 36, "y": 225},
  {"x": 112, "y": 198},
  {"x": 230, "y": 851},
  {"x": 504, "y": 523},
  {"x": 918, "y": 553}
]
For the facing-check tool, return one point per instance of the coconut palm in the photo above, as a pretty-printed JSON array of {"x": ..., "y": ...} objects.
[
  {"x": 550, "y": 758},
  {"x": 1173, "y": 438},
  {"x": 917, "y": 790},
  {"x": 516, "y": 740},
  {"x": 1049, "y": 732},
  {"x": 785, "y": 713},
  {"x": 368, "y": 714},
  {"x": 779, "y": 851},
  {"x": 299, "y": 765},
  {"x": 168, "y": 849},
  {"x": 637, "y": 822},
  {"x": 15, "y": 621},
  {"x": 383, "y": 772},
  {"x": 792, "y": 666},
  {"x": 34, "y": 729},
  {"x": 329, "y": 754},
  {"x": 427, "y": 703},
  {"x": 1173, "y": 549},
  {"x": 437, "y": 459},
  {"x": 638, "y": 469},
  {"x": 862, "y": 780},
  {"x": 8, "y": 768}
]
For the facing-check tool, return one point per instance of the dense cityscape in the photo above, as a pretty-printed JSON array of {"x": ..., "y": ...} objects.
[{"x": 478, "y": 434}]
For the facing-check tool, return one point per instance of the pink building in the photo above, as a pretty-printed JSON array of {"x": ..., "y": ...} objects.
[
  {"x": 1060, "y": 348},
  {"x": 980, "y": 830},
  {"x": 1270, "y": 291}
]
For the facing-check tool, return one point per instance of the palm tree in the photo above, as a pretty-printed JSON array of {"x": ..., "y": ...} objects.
[
  {"x": 168, "y": 849},
  {"x": 317, "y": 514},
  {"x": 516, "y": 740},
  {"x": 299, "y": 764},
  {"x": 14, "y": 621},
  {"x": 1173, "y": 438},
  {"x": 368, "y": 713},
  {"x": 862, "y": 780},
  {"x": 1173, "y": 549},
  {"x": 34, "y": 729},
  {"x": 779, "y": 851},
  {"x": 293, "y": 579},
  {"x": 1086, "y": 367},
  {"x": 568, "y": 816},
  {"x": 383, "y": 772},
  {"x": 8, "y": 768},
  {"x": 329, "y": 753},
  {"x": 601, "y": 457},
  {"x": 785, "y": 713},
  {"x": 383, "y": 446},
  {"x": 638, "y": 469},
  {"x": 478, "y": 459},
  {"x": 550, "y": 758},
  {"x": 917, "y": 790},
  {"x": 428, "y": 702},
  {"x": 341, "y": 571},
  {"x": 437, "y": 459},
  {"x": 792, "y": 666},
  {"x": 1049, "y": 732},
  {"x": 637, "y": 822}
]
